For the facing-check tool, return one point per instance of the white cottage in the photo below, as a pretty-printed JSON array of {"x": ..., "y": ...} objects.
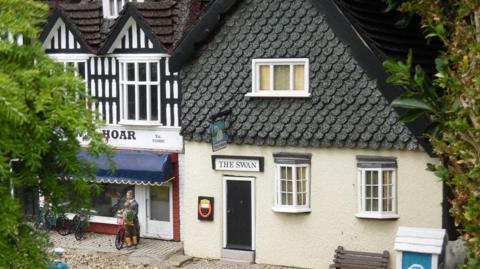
[{"x": 315, "y": 157}]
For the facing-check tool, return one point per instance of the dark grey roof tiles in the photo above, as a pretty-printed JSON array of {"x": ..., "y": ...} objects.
[{"x": 345, "y": 109}]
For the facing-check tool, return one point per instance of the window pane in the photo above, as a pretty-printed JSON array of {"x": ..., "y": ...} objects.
[
  {"x": 368, "y": 204},
  {"x": 289, "y": 199},
  {"x": 110, "y": 199},
  {"x": 281, "y": 77},
  {"x": 264, "y": 77},
  {"x": 153, "y": 72},
  {"x": 154, "y": 102},
  {"x": 375, "y": 191},
  {"x": 131, "y": 101},
  {"x": 160, "y": 203},
  {"x": 375, "y": 177},
  {"x": 289, "y": 173},
  {"x": 283, "y": 172},
  {"x": 289, "y": 186},
  {"x": 130, "y": 71},
  {"x": 284, "y": 186},
  {"x": 81, "y": 69},
  {"x": 300, "y": 199},
  {"x": 299, "y": 77},
  {"x": 368, "y": 190},
  {"x": 142, "y": 71},
  {"x": 387, "y": 177},
  {"x": 299, "y": 186},
  {"x": 368, "y": 177},
  {"x": 142, "y": 98},
  {"x": 375, "y": 205}
]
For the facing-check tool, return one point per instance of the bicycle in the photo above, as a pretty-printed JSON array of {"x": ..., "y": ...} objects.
[
  {"x": 47, "y": 220},
  {"x": 120, "y": 237}
]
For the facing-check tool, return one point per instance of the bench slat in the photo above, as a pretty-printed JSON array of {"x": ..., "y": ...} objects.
[
  {"x": 370, "y": 254},
  {"x": 348, "y": 259}
]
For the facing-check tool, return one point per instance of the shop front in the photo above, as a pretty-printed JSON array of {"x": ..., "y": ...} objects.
[{"x": 153, "y": 179}]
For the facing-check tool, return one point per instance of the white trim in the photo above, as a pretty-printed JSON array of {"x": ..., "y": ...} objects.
[
  {"x": 293, "y": 208},
  {"x": 290, "y": 209},
  {"x": 399, "y": 259},
  {"x": 291, "y": 92},
  {"x": 70, "y": 57},
  {"x": 377, "y": 215},
  {"x": 361, "y": 192},
  {"x": 139, "y": 57},
  {"x": 252, "y": 193},
  {"x": 104, "y": 220}
]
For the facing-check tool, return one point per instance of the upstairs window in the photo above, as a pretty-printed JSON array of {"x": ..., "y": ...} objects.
[
  {"x": 292, "y": 182},
  {"x": 377, "y": 187},
  {"x": 280, "y": 78},
  {"x": 140, "y": 92},
  {"x": 111, "y": 8}
]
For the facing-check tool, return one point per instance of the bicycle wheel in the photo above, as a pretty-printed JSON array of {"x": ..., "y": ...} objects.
[
  {"x": 119, "y": 240},
  {"x": 62, "y": 225},
  {"x": 80, "y": 232}
]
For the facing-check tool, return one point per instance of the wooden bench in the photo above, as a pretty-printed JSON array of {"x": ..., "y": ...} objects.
[{"x": 362, "y": 260}]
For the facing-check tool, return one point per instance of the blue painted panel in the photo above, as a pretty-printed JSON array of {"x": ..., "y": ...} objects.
[{"x": 413, "y": 260}]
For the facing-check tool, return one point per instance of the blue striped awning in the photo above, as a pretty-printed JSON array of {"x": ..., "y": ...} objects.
[{"x": 132, "y": 167}]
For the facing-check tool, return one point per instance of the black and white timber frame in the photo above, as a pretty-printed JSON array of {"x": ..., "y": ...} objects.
[{"x": 130, "y": 40}]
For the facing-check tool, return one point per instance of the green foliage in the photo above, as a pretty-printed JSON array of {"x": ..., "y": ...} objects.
[
  {"x": 43, "y": 111},
  {"x": 451, "y": 102}
]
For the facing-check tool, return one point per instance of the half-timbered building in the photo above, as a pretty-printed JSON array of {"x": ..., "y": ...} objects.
[
  {"x": 122, "y": 49},
  {"x": 316, "y": 157}
]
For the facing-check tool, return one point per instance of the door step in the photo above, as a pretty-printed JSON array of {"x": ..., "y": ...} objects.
[{"x": 238, "y": 256}]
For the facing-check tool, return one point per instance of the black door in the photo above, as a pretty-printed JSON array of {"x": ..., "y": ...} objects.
[{"x": 239, "y": 214}]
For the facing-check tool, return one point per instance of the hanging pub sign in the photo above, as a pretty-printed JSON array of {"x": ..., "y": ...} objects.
[
  {"x": 205, "y": 208},
  {"x": 219, "y": 134}
]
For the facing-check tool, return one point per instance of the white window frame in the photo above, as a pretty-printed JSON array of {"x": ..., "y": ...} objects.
[
  {"x": 107, "y": 11},
  {"x": 256, "y": 63},
  {"x": 380, "y": 213},
  {"x": 124, "y": 94},
  {"x": 294, "y": 208}
]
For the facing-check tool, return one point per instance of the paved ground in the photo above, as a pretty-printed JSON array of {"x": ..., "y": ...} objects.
[{"x": 98, "y": 251}]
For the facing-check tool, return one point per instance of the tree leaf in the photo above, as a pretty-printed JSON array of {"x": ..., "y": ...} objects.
[{"x": 411, "y": 103}]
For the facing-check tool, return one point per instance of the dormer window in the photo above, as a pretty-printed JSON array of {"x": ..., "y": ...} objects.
[
  {"x": 111, "y": 8},
  {"x": 280, "y": 78}
]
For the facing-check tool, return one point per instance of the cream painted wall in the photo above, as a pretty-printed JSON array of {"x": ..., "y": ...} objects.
[{"x": 309, "y": 240}]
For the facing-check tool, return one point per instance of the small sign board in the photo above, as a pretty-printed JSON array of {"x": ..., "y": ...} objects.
[
  {"x": 205, "y": 208},
  {"x": 237, "y": 163},
  {"x": 219, "y": 134}
]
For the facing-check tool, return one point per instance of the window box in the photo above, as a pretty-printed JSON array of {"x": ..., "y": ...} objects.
[
  {"x": 280, "y": 78},
  {"x": 292, "y": 183}
]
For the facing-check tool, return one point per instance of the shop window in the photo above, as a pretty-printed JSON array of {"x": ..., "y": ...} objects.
[
  {"x": 110, "y": 199},
  {"x": 377, "y": 187},
  {"x": 280, "y": 78},
  {"x": 292, "y": 182},
  {"x": 140, "y": 93}
]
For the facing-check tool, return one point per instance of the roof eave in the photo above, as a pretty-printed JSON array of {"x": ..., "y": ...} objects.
[
  {"x": 199, "y": 32},
  {"x": 59, "y": 13},
  {"x": 369, "y": 61}
]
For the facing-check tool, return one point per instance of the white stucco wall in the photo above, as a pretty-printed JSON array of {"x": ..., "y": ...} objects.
[{"x": 308, "y": 240}]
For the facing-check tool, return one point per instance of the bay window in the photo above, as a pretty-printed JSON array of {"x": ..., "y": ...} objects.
[
  {"x": 140, "y": 92},
  {"x": 377, "y": 187},
  {"x": 292, "y": 182}
]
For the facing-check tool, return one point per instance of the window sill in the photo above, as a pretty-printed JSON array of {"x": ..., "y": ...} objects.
[
  {"x": 283, "y": 209},
  {"x": 140, "y": 123},
  {"x": 279, "y": 94},
  {"x": 386, "y": 216}
]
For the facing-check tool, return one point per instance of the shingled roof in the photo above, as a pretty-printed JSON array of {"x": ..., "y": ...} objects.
[
  {"x": 88, "y": 19},
  {"x": 168, "y": 19},
  {"x": 346, "y": 107}
]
